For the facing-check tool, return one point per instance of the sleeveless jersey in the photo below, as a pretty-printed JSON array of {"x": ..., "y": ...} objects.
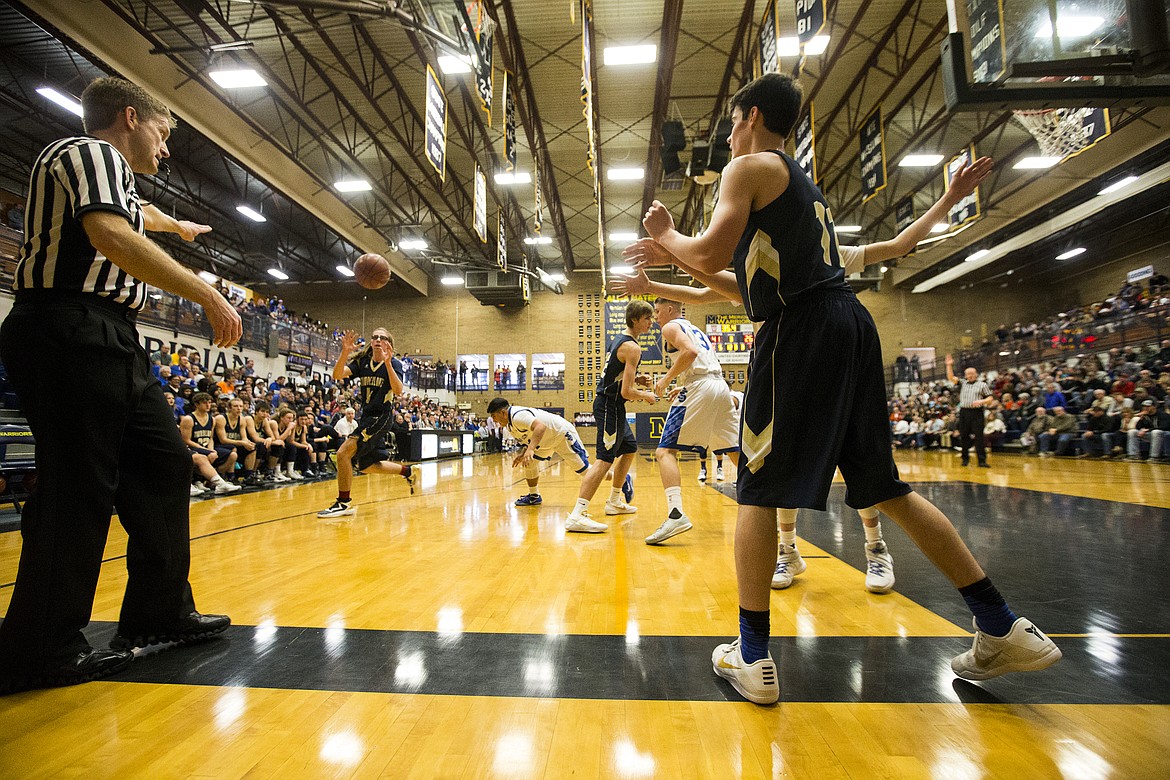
[
  {"x": 236, "y": 433},
  {"x": 201, "y": 434},
  {"x": 522, "y": 418},
  {"x": 787, "y": 249},
  {"x": 706, "y": 362},
  {"x": 610, "y": 383},
  {"x": 373, "y": 383}
]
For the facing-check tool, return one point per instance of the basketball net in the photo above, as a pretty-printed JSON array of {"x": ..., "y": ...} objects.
[{"x": 1058, "y": 131}]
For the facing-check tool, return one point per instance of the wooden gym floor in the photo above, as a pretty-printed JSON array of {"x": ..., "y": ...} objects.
[{"x": 451, "y": 634}]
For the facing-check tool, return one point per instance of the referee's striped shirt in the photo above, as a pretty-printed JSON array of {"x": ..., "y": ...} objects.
[
  {"x": 72, "y": 177},
  {"x": 970, "y": 392}
]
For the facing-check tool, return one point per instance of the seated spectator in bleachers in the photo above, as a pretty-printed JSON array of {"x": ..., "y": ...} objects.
[
  {"x": 1118, "y": 437},
  {"x": 323, "y": 438},
  {"x": 1093, "y": 440},
  {"x": 347, "y": 424},
  {"x": 1138, "y": 437},
  {"x": 1030, "y": 438},
  {"x": 1062, "y": 429},
  {"x": 1053, "y": 397},
  {"x": 930, "y": 436},
  {"x": 1159, "y": 441},
  {"x": 994, "y": 429},
  {"x": 170, "y": 399}
]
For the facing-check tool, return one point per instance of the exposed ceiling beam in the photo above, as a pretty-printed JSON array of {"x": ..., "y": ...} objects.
[{"x": 667, "y": 48}]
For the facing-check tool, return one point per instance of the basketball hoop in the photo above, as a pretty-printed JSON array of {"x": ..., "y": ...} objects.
[{"x": 1058, "y": 131}]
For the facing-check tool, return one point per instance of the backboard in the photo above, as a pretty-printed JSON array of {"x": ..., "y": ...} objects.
[{"x": 1041, "y": 54}]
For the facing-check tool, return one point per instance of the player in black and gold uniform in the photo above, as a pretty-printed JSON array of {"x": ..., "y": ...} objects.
[{"x": 377, "y": 374}]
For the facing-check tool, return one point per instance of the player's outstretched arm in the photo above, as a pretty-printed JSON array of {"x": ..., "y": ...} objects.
[
  {"x": 963, "y": 183},
  {"x": 648, "y": 252},
  {"x": 340, "y": 369}
]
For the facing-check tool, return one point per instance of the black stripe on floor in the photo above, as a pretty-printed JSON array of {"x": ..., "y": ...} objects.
[{"x": 1097, "y": 670}]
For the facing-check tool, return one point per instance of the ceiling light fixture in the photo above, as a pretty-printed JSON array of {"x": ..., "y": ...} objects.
[
  {"x": 623, "y": 237},
  {"x": 625, "y": 174},
  {"x": 251, "y": 213},
  {"x": 453, "y": 64},
  {"x": 940, "y": 227},
  {"x": 452, "y": 280},
  {"x": 971, "y": 258},
  {"x": 279, "y": 274},
  {"x": 69, "y": 104},
  {"x": 208, "y": 277},
  {"x": 788, "y": 47},
  {"x": 558, "y": 277},
  {"x": 1119, "y": 184},
  {"x": 237, "y": 79},
  {"x": 920, "y": 161},
  {"x": 345, "y": 270},
  {"x": 515, "y": 177},
  {"x": 630, "y": 55},
  {"x": 846, "y": 228},
  {"x": 817, "y": 45},
  {"x": 621, "y": 270},
  {"x": 538, "y": 240},
  {"x": 353, "y": 185},
  {"x": 412, "y": 243},
  {"x": 1036, "y": 163},
  {"x": 1070, "y": 254}
]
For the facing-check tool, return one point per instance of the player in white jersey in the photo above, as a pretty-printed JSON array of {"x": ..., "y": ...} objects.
[
  {"x": 701, "y": 416},
  {"x": 542, "y": 434},
  {"x": 879, "y": 576}
]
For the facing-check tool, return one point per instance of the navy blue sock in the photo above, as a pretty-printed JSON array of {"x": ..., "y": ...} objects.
[
  {"x": 754, "y": 630},
  {"x": 992, "y": 614}
]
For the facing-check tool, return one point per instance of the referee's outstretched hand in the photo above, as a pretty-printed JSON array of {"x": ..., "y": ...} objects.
[{"x": 224, "y": 319}]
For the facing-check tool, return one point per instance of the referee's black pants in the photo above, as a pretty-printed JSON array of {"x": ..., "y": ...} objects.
[
  {"x": 971, "y": 423},
  {"x": 107, "y": 443}
]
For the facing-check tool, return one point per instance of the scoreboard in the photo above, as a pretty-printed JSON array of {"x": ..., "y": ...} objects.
[{"x": 732, "y": 336}]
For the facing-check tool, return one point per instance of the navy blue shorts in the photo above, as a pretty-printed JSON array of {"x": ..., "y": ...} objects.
[
  {"x": 614, "y": 437},
  {"x": 816, "y": 402},
  {"x": 370, "y": 436}
]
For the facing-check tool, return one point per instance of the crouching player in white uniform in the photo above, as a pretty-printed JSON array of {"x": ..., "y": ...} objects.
[
  {"x": 702, "y": 415},
  {"x": 543, "y": 434}
]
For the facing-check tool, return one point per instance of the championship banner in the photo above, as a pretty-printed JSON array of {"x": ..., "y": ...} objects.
[
  {"x": 873, "y": 155},
  {"x": 904, "y": 217},
  {"x": 1094, "y": 125},
  {"x": 810, "y": 19},
  {"x": 587, "y": 91},
  {"x": 769, "y": 51},
  {"x": 731, "y": 336},
  {"x": 501, "y": 243},
  {"x": 484, "y": 85},
  {"x": 806, "y": 145},
  {"x": 435, "y": 145},
  {"x": 966, "y": 210},
  {"x": 480, "y": 216},
  {"x": 615, "y": 323},
  {"x": 510, "y": 127},
  {"x": 538, "y": 219},
  {"x": 988, "y": 46}
]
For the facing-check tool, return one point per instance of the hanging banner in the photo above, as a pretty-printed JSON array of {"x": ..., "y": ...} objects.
[
  {"x": 810, "y": 19},
  {"x": 806, "y": 145},
  {"x": 769, "y": 51},
  {"x": 484, "y": 85},
  {"x": 538, "y": 219},
  {"x": 480, "y": 217},
  {"x": 966, "y": 210},
  {"x": 1094, "y": 126},
  {"x": 904, "y": 217},
  {"x": 587, "y": 92},
  {"x": 510, "y": 126},
  {"x": 435, "y": 144},
  {"x": 615, "y": 323},
  {"x": 501, "y": 243},
  {"x": 988, "y": 46},
  {"x": 873, "y": 155}
]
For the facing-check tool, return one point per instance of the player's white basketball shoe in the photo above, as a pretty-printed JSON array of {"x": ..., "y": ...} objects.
[
  {"x": 788, "y": 565},
  {"x": 1024, "y": 649},
  {"x": 879, "y": 574},
  {"x": 619, "y": 507},
  {"x": 675, "y": 523},
  {"x": 582, "y": 523},
  {"x": 757, "y": 682}
]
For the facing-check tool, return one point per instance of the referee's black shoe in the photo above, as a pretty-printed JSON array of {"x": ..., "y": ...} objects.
[
  {"x": 194, "y": 628},
  {"x": 89, "y": 664}
]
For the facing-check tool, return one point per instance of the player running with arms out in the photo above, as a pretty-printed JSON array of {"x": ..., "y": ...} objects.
[
  {"x": 542, "y": 434},
  {"x": 879, "y": 576},
  {"x": 815, "y": 343},
  {"x": 376, "y": 372}
]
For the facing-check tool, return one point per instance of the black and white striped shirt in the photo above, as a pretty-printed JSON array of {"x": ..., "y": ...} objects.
[
  {"x": 970, "y": 392},
  {"x": 72, "y": 177}
]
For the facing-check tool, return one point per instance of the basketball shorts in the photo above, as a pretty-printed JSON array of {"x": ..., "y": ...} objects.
[
  {"x": 571, "y": 450},
  {"x": 701, "y": 417},
  {"x": 370, "y": 436},
  {"x": 816, "y": 402},
  {"x": 201, "y": 450},
  {"x": 614, "y": 437}
]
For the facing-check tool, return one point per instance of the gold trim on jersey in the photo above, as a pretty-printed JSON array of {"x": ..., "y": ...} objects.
[{"x": 761, "y": 256}]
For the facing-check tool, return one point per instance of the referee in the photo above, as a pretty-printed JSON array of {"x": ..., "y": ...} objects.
[
  {"x": 81, "y": 278},
  {"x": 974, "y": 396}
]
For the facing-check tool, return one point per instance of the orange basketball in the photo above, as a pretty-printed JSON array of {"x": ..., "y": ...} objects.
[{"x": 371, "y": 271}]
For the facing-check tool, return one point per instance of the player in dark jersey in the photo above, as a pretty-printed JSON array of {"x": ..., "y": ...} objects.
[
  {"x": 616, "y": 445},
  {"x": 198, "y": 432},
  {"x": 816, "y": 397},
  {"x": 376, "y": 373},
  {"x": 231, "y": 435}
]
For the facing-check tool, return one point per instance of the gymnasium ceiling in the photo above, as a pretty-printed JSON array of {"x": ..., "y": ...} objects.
[{"x": 345, "y": 99}]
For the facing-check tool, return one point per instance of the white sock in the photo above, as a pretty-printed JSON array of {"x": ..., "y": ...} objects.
[
  {"x": 872, "y": 534},
  {"x": 788, "y": 538},
  {"x": 582, "y": 506},
  {"x": 674, "y": 499},
  {"x": 615, "y": 495},
  {"x": 218, "y": 480}
]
